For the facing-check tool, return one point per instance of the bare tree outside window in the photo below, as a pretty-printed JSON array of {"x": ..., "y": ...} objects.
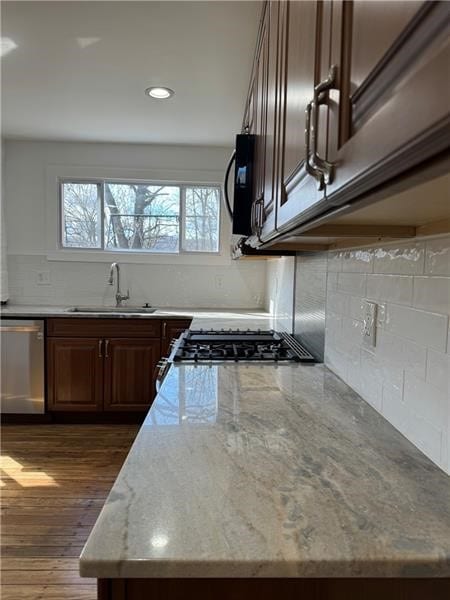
[
  {"x": 82, "y": 215},
  {"x": 201, "y": 233},
  {"x": 140, "y": 217}
]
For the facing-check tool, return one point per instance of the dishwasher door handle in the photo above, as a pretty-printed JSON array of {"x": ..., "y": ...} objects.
[{"x": 20, "y": 329}]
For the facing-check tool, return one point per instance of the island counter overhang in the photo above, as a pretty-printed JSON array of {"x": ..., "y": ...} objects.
[{"x": 245, "y": 473}]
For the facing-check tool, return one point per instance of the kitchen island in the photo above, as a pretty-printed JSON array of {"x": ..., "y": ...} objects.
[{"x": 250, "y": 480}]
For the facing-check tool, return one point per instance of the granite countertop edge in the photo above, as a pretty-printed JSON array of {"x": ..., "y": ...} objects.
[
  {"x": 207, "y": 314},
  {"x": 308, "y": 569}
]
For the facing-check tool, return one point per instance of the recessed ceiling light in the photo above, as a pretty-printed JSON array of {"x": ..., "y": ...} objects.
[{"x": 160, "y": 93}]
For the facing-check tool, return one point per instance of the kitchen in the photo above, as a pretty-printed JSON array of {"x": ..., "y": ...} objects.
[{"x": 225, "y": 373}]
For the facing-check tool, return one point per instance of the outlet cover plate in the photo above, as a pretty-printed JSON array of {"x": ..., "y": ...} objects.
[{"x": 370, "y": 324}]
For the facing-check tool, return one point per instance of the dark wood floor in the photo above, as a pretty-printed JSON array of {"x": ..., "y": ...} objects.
[{"x": 55, "y": 479}]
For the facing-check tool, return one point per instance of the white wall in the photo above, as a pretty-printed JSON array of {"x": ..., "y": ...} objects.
[
  {"x": 4, "y": 291},
  {"x": 406, "y": 377},
  {"x": 279, "y": 293},
  {"x": 31, "y": 170}
]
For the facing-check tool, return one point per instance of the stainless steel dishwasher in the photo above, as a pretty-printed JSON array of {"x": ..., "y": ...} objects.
[{"x": 22, "y": 366}]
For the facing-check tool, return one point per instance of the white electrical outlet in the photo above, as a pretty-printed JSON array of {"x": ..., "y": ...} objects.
[
  {"x": 219, "y": 282},
  {"x": 381, "y": 314},
  {"x": 370, "y": 324},
  {"x": 43, "y": 278}
]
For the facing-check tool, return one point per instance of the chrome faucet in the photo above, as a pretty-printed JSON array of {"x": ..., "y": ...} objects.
[{"x": 119, "y": 297}]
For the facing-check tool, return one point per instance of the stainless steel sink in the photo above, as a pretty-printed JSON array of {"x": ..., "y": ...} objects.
[{"x": 137, "y": 310}]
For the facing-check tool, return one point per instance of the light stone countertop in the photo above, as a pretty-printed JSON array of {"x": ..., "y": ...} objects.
[
  {"x": 259, "y": 470},
  {"x": 202, "y": 317},
  {"x": 252, "y": 470}
]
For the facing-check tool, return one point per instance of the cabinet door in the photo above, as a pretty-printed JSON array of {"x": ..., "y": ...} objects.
[
  {"x": 260, "y": 93},
  {"x": 129, "y": 373},
  {"x": 172, "y": 329},
  {"x": 267, "y": 210},
  {"x": 74, "y": 374},
  {"x": 390, "y": 109},
  {"x": 307, "y": 38}
]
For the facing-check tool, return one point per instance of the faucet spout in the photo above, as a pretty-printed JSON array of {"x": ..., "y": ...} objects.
[
  {"x": 114, "y": 265},
  {"x": 119, "y": 297}
]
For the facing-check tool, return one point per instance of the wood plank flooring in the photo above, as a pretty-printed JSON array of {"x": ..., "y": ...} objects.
[{"x": 55, "y": 479}]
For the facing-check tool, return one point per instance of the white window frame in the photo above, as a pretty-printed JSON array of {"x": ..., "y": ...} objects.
[
  {"x": 190, "y": 176},
  {"x": 100, "y": 181}
]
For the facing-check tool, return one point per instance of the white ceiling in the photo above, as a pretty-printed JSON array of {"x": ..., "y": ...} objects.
[{"x": 78, "y": 70}]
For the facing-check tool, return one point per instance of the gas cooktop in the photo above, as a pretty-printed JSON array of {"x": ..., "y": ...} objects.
[{"x": 239, "y": 345}]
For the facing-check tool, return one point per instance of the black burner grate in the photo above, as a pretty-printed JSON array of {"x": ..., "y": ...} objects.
[{"x": 237, "y": 345}]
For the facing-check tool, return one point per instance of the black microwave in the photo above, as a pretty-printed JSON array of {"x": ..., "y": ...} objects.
[{"x": 243, "y": 159}]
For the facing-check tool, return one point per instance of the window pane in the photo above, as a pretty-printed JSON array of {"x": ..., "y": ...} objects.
[
  {"x": 81, "y": 213},
  {"x": 201, "y": 231},
  {"x": 142, "y": 217}
]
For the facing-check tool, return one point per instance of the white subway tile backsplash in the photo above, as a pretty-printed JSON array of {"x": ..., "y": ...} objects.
[
  {"x": 356, "y": 307},
  {"x": 425, "y": 328},
  {"x": 406, "y": 376},
  {"x": 394, "y": 409},
  {"x": 336, "y": 362},
  {"x": 357, "y": 261},
  {"x": 352, "y": 283},
  {"x": 338, "y": 303},
  {"x": 432, "y": 293},
  {"x": 352, "y": 331},
  {"x": 445, "y": 458},
  {"x": 371, "y": 386},
  {"x": 437, "y": 260},
  {"x": 438, "y": 370},
  {"x": 332, "y": 278},
  {"x": 426, "y": 437},
  {"x": 401, "y": 353},
  {"x": 426, "y": 400},
  {"x": 354, "y": 368},
  {"x": 177, "y": 285},
  {"x": 334, "y": 262},
  {"x": 407, "y": 259},
  {"x": 390, "y": 288}
]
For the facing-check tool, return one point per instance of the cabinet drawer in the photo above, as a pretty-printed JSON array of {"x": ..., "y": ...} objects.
[{"x": 98, "y": 327}]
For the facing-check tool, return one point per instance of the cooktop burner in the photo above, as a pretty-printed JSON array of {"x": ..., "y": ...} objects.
[{"x": 236, "y": 345}]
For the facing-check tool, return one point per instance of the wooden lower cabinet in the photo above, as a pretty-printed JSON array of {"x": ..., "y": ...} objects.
[
  {"x": 74, "y": 374},
  {"x": 268, "y": 589},
  {"x": 129, "y": 373},
  {"x": 105, "y": 365}
]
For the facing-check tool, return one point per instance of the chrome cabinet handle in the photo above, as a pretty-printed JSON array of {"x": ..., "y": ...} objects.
[
  {"x": 252, "y": 217},
  {"x": 160, "y": 372},
  {"x": 106, "y": 348},
  {"x": 258, "y": 216},
  {"x": 100, "y": 348},
  {"x": 321, "y": 97},
  {"x": 318, "y": 167},
  {"x": 164, "y": 329},
  {"x": 310, "y": 168}
]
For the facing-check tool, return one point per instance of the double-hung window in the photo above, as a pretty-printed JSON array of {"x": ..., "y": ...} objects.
[{"x": 139, "y": 216}]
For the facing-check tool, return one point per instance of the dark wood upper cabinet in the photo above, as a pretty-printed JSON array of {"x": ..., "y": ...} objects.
[
  {"x": 307, "y": 33},
  {"x": 346, "y": 98},
  {"x": 389, "y": 109},
  {"x": 74, "y": 374},
  {"x": 267, "y": 209},
  {"x": 129, "y": 373},
  {"x": 260, "y": 123}
]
